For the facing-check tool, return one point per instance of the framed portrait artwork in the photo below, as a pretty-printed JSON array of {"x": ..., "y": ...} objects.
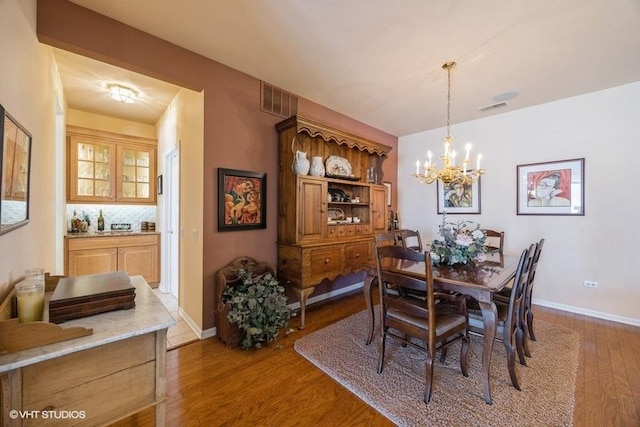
[
  {"x": 458, "y": 198},
  {"x": 242, "y": 200},
  {"x": 551, "y": 188}
]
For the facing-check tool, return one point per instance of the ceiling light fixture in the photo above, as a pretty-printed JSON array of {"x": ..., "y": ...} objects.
[
  {"x": 450, "y": 172},
  {"x": 122, "y": 94}
]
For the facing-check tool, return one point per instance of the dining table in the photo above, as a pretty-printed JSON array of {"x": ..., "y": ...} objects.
[{"x": 478, "y": 280}]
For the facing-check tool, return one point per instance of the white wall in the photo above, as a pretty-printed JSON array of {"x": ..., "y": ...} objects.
[
  {"x": 604, "y": 128},
  {"x": 29, "y": 87}
]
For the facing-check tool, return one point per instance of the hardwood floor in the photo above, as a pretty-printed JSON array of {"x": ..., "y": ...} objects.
[{"x": 212, "y": 385}]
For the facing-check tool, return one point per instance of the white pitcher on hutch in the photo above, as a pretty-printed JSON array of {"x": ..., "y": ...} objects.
[{"x": 301, "y": 164}]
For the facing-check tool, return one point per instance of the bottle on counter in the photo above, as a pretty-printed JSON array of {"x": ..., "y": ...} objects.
[
  {"x": 395, "y": 221},
  {"x": 74, "y": 222},
  {"x": 100, "y": 221}
]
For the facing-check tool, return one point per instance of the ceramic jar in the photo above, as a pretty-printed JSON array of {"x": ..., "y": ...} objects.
[
  {"x": 317, "y": 166},
  {"x": 301, "y": 163}
]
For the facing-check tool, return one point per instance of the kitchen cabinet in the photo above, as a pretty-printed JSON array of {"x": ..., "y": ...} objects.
[
  {"x": 109, "y": 167},
  {"x": 136, "y": 254},
  {"x": 98, "y": 379},
  {"x": 315, "y": 239}
]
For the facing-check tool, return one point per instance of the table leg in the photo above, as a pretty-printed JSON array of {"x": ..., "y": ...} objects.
[
  {"x": 368, "y": 282},
  {"x": 489, "y": 315},
  {"x": 302, "y": 296}
]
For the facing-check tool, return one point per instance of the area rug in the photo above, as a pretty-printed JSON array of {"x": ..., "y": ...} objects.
[{"x": 548, "y": 382}]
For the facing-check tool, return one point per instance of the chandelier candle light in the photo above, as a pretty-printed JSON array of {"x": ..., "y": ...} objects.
[{"x": 450, "y": 172}]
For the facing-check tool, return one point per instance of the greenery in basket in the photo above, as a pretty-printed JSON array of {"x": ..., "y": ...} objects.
[
  {"x": 258, "y": 305},
  {"x": 459, "y": 243}
]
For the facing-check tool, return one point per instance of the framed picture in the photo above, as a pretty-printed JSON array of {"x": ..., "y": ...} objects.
[
  {"x": 458, "y": 198},
  {"x": 242, "y": 200},
  {"x": 159, "y": 184},
  {"x": 388, "y": 185},
  {"x": 15, "y": 167},
  {"x": 551, "y": 188}
]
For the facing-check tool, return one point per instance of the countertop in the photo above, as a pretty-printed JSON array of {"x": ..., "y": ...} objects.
[
  {"x": 149, "y": 315},
  {"x": 109, "y": 233}
]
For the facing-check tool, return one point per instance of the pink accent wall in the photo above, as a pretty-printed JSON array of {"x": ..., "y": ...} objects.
[{"x": 237, "y": 135}]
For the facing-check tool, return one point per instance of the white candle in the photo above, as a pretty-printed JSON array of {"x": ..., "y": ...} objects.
[
  {"x": 453, "y": 158},
  {"x": 478, "y": 162},
  {"x": 468, "y": 147},
  {"x": 417, "y": 167},
  {"x": 429, "y": 156},
  {"x": 30, "y": 296}
]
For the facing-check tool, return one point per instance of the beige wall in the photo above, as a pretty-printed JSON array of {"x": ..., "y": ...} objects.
[
  {"x": 237, "y": 134},
  {"x": 29, "y": 90},
  {"x": 110, "y": 124},
  {"x": 602, "y": 245}
]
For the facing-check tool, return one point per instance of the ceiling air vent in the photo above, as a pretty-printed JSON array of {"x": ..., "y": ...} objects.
[
  {"x": 494, "y": 106},
  {"x": 277, "y": 101}
]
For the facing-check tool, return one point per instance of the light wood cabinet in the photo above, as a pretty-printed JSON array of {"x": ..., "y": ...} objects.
[
  {"x": 97, "y": 379},
  {"x": 311, "y": 245},
  {"x": 109, "y": 167},
  {"x": 133, "y": 254}
]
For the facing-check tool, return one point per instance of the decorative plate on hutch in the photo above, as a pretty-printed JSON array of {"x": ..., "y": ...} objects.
[{"x": 338, "y": 167}]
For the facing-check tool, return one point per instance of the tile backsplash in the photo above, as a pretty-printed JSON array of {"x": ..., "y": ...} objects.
[{"x": 130, "y": 214}]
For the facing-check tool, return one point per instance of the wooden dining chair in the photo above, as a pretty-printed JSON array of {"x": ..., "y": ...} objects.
[
  {"x": 495, "y": 241},
  {"x": 528, "y": 312},
  {"x": 410, "y": 239},
  {"x": 404, "y": 317},
  {"x": 508, "y": 324}
]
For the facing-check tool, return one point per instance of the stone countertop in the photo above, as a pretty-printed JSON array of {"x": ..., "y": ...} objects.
[
  {"x": 149, "y": 315},
  {"x": 91, "y": 234}
]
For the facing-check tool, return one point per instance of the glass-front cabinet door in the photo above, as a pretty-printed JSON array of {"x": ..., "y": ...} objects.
[
  {"x": 136, "y": 173},
  {"x": 91, "y": 170}
]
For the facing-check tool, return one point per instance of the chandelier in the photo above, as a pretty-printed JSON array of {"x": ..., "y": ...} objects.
[{"x": 450, "y": 171}]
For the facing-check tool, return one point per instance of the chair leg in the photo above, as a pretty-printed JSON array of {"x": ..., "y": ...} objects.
[
  {"x": 428, "y": 375},
  {"x": 443, "y": 354},
  {"x": 520, "y": 345},
  {"x": 381, "y": 346},
  {"x": 530, "y": 324},
  {"x": 464, "y": 352},
  {"x": 511, "y": 362}
]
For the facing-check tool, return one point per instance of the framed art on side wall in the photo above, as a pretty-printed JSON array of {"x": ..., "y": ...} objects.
[
  {"x": 242, "y": 200},
  {"x": 458, "y": 198},
  {"x": 551, "y": 188},
  {"x": 15, "y": 171}
]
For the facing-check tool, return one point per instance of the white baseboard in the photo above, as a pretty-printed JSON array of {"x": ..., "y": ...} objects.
[
  {"x": 208, "y": 333},
  {"x": 331, "y": 294},
  {"x": 586, "y": 312}
]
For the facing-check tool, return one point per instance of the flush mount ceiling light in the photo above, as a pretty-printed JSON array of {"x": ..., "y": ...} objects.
[{"x": 122, "y": 94}]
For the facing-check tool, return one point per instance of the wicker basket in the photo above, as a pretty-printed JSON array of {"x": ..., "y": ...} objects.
[{"x": 228, "y": 332}]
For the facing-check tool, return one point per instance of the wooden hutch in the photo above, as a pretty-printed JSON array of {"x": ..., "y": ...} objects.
[{"x": 315, "y": 242}]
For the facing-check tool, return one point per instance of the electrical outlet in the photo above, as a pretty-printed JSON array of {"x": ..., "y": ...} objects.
[{"x": 590, "y": 284}]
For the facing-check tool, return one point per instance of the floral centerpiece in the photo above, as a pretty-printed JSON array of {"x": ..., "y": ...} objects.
[
  {"x": 258, "y": 307},
  {"x": 459, "y": 242}
]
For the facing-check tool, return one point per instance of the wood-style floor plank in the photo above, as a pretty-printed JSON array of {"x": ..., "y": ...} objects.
[{"x": 209, "y": 384}]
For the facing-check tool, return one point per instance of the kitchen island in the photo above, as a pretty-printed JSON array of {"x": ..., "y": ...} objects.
[{"x": 97, "y": 379}]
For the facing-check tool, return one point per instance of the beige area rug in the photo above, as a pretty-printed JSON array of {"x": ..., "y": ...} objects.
[{"x": 548, "y": 382}]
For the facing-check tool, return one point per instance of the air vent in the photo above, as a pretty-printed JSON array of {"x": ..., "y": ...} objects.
[
  {"x": 494, "y": 106},
  {"x": 277, "y": 101}
]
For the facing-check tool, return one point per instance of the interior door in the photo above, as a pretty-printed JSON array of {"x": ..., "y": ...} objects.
[{"x": 172, "y": 215}]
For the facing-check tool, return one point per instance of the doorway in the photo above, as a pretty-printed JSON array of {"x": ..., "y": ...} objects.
[{"x": 171, "y": 263}]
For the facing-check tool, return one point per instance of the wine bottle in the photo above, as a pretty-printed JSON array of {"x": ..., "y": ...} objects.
[
  {"x": 74, "y": 222},
  {"x": 100, "y": 221}
]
